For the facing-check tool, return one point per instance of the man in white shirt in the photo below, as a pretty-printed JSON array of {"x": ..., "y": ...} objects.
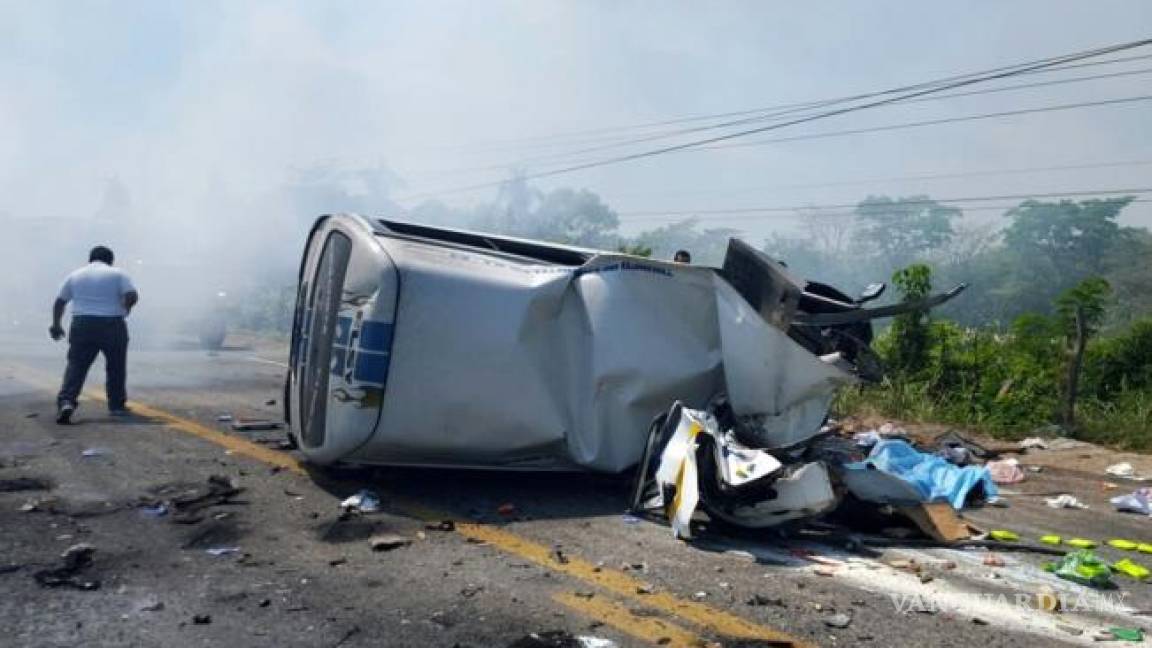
[{"x": 101, "y": 296}]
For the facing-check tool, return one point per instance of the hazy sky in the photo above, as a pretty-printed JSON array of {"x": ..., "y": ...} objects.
[{"x": 210, "y": 103}]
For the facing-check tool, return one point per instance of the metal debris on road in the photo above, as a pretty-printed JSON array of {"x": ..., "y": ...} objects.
[
  {"x": 247, "y": 425},
  {"x": 74, "y": 560},
  {"x": 222, "y": 551},
  {"x": 388, "y": 542}
]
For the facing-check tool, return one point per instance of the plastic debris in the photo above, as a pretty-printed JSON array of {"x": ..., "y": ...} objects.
[
  {"x": 993, "y": 560},
  {"x": 1123, "y": 545},
  {"x": 560, "y": 639},
  {"x": 628, "y": 518},
  {"x": 867, "y": 439},
  {"x": 224, "y": 418},
  {"x": 1080, "y": 543},
  {"x": 1033, "y": 443},
  {"x": 202, "y": 619},
  {"x": 1065, "y": 501},
  {"x": 1050, "y": 539},
  {"x": 222, "y": 551},
  {"x": 1122, "y": 469},
  {"x": 363, "y": 502},
  {"x": 94, "y": 452},
  {"x": 1131, "y": 569},
  {"x": 1004, "y": 535},
  {"x": 1138, "y": 501},
  {"x": 1082, "y": 567},
  {"x": 1005, "y": 471},
  {"x": 1127, "y": 634}
]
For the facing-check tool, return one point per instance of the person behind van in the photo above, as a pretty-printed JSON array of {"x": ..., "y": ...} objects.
[
  {"x": 101, "y": 297},
  {"x": 682, "y": 256}
]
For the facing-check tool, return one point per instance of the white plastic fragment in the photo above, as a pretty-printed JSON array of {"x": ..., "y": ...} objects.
[
  {"x": 364, "y": 502},
  {"x": 1065, "y": 501},
  {"x": 1033, "y": 443}
]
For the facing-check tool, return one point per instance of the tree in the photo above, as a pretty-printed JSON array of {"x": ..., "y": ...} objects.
[
  {"x": 1081, "y": 310},
  {"x": 1063, "y": 242},
  {"x": 911, "y": 331},
  {"x": 707, "y": 247},
  {"x": 575, "y": 216},
  {"x": 904, "y": 229}
]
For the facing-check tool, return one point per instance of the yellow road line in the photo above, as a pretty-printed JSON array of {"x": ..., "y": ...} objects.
[
  {"x": 621, "y": 584},
  {"x": 615, "y": 581},
  {"x": 644, "y": 628}
]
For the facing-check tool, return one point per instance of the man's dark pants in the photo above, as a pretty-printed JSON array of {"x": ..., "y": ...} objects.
[{"x": 88, "y": 337}]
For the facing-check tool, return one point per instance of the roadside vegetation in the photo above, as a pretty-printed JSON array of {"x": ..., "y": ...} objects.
[{"x": 1058, "y": 309}]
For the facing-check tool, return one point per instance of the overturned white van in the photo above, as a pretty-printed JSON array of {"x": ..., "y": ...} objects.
[{"x": 424, "y": 346}]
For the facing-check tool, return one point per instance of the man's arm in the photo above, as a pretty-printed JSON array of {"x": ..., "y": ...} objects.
[
  {"x": 130, "y": 299},
  {"x": 56, "y": 330}
]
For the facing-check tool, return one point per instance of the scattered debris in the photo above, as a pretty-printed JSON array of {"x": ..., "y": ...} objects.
[
  {"x": 363, "y": 502},
  {"x": 154, "y": 511},
  {"x": 1033, "y": 443},
  {"x": 388, "y": 542},
  {"x": 559, "y": 556},
  {"x": 1127, "y": 634},
  {"x": 270, "y": 402},
  {"x": 838, "y": 621},
  {"x": 471, "y": 590},
  {"x": 1082, "y": 567},
  {"x": 443, "y": 525},
  {"x": 1138, "y": 501},
  {"x": 760, "y": 600},
  {"x": 222, "y": 551},
  {"x": 224, "y": 418},
  {"x": 1065, "y": 501},
  {"x": 1005, "y": 471},
  {"x": 506, "y": 509},
  {"x": 202, "y": 619},
  {"x": 560, "y": 639},
  {"x": 645, "y": 588},
  {"x": 246, "y": 425},
  {"x": 20, "y": 484},
  {"x": 993, "y": 560},
  {"x": 32, "y": 415},
  {"x": 74, "y": 560},
  {"x": 939, "y": 521},
  {"x": 1125, "y": 470},
  {"x": 1072, "y": 630},
  {"x": 94, "y": 452},
  {"x": 151, "y": 606},
  {"x": 1131, "y": 569}
]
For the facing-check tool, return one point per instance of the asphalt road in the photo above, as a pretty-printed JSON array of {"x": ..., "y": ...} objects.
[{"x": 524, "y": 553}]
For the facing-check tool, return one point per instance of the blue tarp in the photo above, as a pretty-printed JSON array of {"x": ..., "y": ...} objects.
[{"x": 931, "y": 475}]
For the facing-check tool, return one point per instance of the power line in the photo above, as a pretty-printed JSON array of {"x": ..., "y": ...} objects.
[
  {"x": 915, "y": 178},
  {"x": 511, "y": 143},
  {"x": 678, "y": 133},
  {"x": 930, "y": 122},
  {"x": 924, "y": 89},
  {"x": 902, "y": 203}
]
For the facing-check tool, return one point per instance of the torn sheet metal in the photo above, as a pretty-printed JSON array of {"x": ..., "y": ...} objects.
[{"x": 423, "y": 346}]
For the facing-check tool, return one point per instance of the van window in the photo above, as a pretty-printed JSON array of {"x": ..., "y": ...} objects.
[{"x": 320, "y": 327}]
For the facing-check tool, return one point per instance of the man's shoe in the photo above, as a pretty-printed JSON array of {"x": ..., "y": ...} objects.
[
  {"x": 120, "y": 411},
  {"x": 64, "y": 413}
]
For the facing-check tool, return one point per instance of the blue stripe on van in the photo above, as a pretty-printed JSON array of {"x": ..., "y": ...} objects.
[
  {"x": 376, "y": 336},
  {"x": 371, "y": 368}
]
